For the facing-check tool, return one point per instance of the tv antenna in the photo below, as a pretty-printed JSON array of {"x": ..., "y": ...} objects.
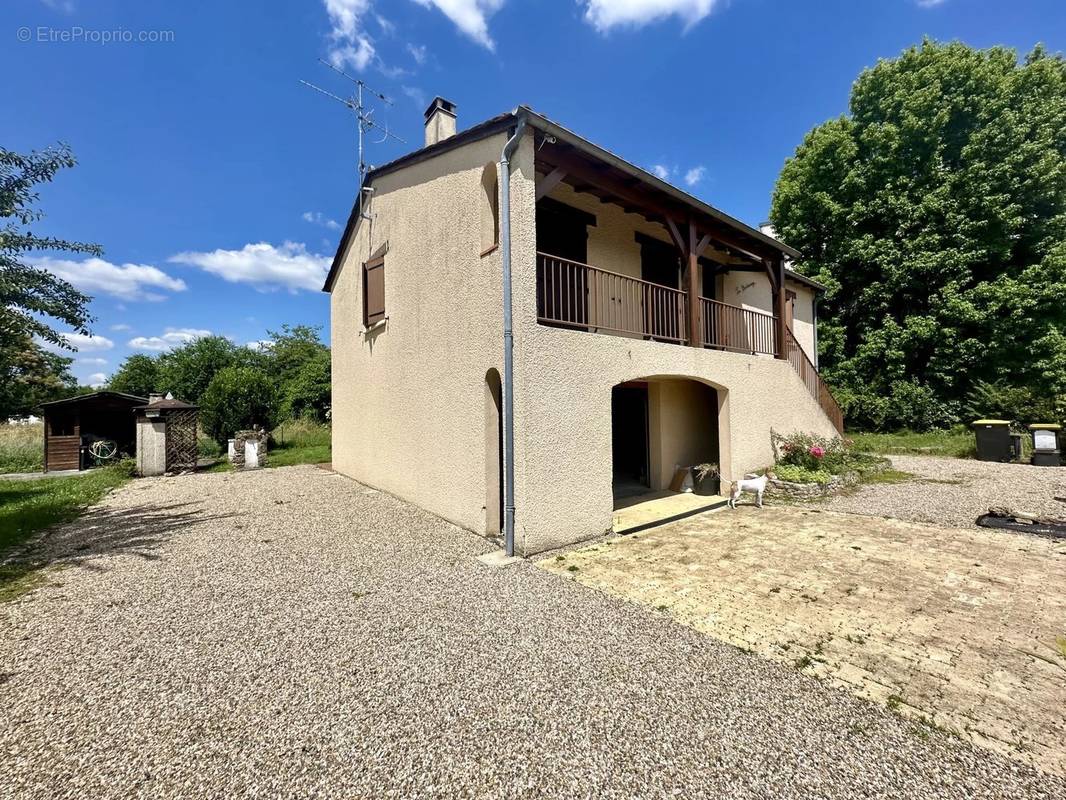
[{"x": 364, "y": 116}]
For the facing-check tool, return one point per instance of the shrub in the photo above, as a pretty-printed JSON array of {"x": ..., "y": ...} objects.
[
  {"x": 797, "y": 474},
  {"x": 811, "y": 453},
  {"x": 238, "y": 398},
  {"x": 908, "y": 404},
  {"x": 1020, "y": 405}
]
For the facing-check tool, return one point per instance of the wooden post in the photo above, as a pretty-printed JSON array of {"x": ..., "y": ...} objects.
[
  {"x": 780, "y": 299},
  {"x": 695, "y": 332}
]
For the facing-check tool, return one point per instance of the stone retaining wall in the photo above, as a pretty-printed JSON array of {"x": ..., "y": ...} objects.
[{"x": 810, "y": 491}]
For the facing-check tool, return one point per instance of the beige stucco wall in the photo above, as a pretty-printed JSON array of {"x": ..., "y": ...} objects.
[
  {"x": 408, "y": 397},
  {"x": 682, "y": 427}
]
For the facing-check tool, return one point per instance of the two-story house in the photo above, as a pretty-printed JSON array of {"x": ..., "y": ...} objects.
[{"x": 644, "y": 330}]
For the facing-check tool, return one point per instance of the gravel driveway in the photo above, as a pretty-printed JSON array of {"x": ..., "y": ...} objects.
[
  {"x": 289, "y": 632},
  {"x": 955, "y": 491}
]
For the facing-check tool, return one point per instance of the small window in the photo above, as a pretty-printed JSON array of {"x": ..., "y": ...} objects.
[{"x": 373, "y": 291}]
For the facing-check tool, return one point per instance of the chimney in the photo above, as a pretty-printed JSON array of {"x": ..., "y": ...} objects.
[
  {"x": 440, "y": 120},
  {"x": 154, "y": 397}
]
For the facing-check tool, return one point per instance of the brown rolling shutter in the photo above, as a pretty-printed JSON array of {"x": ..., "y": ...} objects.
[{"x": 373, "y": 291}]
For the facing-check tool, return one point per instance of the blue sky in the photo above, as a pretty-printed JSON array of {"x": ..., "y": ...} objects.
[{"x": 217, "y": 184}]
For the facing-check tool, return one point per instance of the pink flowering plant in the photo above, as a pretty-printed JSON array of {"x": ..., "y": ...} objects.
[{"x": 810, "y": 451}]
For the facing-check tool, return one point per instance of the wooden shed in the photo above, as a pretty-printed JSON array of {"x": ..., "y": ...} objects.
[{"x": 71, "y": 427}]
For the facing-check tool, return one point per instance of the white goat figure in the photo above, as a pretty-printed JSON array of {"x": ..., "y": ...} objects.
[{"x": 756, "y": 486}]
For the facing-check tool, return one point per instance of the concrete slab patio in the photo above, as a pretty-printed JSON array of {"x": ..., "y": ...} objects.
[
  {"x": 291, "y": 633},
  {"x": 964, "y": 629}
]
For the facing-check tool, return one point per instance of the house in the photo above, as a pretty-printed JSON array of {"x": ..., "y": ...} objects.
[{"x": 639, "y": 328}]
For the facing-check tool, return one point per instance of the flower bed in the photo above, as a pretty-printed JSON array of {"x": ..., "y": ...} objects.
[
  {"x": 809, "y": 466},
  {"x": 811, "y": 490}
]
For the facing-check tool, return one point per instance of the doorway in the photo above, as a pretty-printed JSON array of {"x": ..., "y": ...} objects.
[
  {"x": 629, "y": 439},
  {"x": 563, "y": 282}
]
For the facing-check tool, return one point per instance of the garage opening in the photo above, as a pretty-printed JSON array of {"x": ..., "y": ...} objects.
[{"x": 662, "y": 430}]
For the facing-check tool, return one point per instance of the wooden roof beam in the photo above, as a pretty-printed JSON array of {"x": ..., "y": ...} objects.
[{"x": 579, "y": 169}]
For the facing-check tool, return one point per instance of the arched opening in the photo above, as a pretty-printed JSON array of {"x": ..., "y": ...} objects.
[
  {"x": 490, "y": 208},
  {"x": 661, "y": 428},
  {"x": 493, "y": 454}
]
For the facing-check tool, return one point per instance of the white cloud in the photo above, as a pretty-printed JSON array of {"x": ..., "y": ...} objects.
[
  {"x": 695, "y": 175},
  {"x": 387, "y": 27},
  {"x": 318, "y": 218},
  {"x": 929, "y": 3},
  {"x": 351, "y": 43},
  {"x": 66, "y": 6},
  {"x": 126, "y": 281},
  {"x": 661, "y": 172},
  {"x": 97, "y": 380},
  {"x": 416, "y": 95},
  {"x": 120, "y": 327},
  {"x": 418, "y": 53},
  {"x": 261, "y": 346},
  {"x": 95, "y": 362},
  {"x": 84, "y": 343},
  {"x": 263, "y": 265},
  {"x": 172, "y": 337},
  {"x": 606, "y": 14},
  {"x": 470, "y": 16}
]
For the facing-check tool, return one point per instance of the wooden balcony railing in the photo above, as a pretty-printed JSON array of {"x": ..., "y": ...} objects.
[
  {"x": 738, "y": 329},
  {"x": 578, "y": 295},
  {"x": 817, "y": 387}
]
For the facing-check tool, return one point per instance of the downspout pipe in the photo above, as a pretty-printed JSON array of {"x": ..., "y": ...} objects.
[{"x": 508, "y": 335}]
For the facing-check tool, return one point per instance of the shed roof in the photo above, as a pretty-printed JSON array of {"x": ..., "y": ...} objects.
[
  {"x": 167, "y": 403},
  {"x": 93, "y": 396}
]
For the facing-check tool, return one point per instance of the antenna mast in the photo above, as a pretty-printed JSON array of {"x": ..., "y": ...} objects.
[{"x": 364, "y": 116}]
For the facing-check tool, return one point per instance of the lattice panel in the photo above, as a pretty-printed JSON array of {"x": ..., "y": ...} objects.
[{"x": 181, "y": 440}]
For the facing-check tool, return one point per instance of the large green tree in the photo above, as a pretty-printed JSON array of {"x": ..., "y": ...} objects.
[
  {"x": 187, "y": 371},
  {"x": 33, "y": 299},
  {"x": 301, "y": 363},
  {"x": 935, "y": 212},
  {"x": 138, "y": 374},
  {"x": 31, "y": 375}
]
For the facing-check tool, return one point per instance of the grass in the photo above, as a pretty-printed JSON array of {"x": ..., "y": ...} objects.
[
  {"x": 300, "y": 442},
  {"x": 888, "y": 476},
  {"x": 956, "y": 443},
  {"x": 21, "y": 447},
  {"x": 27, "y": 507}
]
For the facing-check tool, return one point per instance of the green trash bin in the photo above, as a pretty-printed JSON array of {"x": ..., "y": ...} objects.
[{"x": 993, "y": 440}]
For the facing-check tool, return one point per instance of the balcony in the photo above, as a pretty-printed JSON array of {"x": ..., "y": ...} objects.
[{"x": 583, "y": 297}]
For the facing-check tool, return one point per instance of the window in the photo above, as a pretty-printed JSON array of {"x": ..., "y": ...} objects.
[
  {"x": 374, "y": 291},
  {"x": 490, "y": 209}
]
